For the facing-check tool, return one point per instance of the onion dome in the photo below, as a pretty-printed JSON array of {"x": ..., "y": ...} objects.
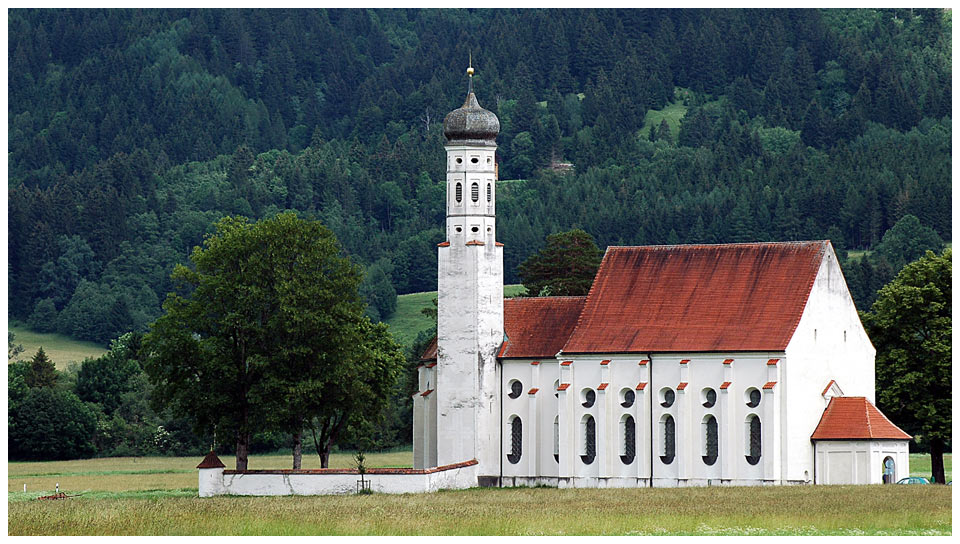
[{"x": 470, "y": 124}]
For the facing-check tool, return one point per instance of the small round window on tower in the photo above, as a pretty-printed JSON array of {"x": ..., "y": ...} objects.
[
  {"x": 475, "y": 229},
  {"x": 459, "y": 160},
  {"x": 459, "y": 229},
  {"x": 474, "y": 160}
]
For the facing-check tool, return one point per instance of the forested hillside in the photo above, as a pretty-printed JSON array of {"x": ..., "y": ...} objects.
[{"x": 132, "y": 131}]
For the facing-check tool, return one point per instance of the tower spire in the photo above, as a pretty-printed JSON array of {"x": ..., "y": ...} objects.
[{"x": 470, "y": 75}]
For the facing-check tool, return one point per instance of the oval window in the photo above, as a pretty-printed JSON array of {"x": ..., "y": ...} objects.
[
  {"x": 709, "y": 398},
  {"x": 753, "y": 398},
  {"x": 516, "y": 388},
  {"x": 628, "y": 398},
  {"x": 589, "y": 397},
  {"x": 667, "y": 397}
]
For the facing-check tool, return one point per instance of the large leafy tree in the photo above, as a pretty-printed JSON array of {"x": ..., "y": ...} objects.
[
  {"x": 264, "y": 327},
  {"x": 910, "y": 324},
  {"x": 565, "y": 267}
]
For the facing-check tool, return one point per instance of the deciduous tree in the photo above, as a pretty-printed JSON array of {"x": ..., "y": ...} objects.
[{"x": 910, "y": 324}]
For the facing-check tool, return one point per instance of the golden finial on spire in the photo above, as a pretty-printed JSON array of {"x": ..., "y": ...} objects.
[{"x": 470, "y": 67}]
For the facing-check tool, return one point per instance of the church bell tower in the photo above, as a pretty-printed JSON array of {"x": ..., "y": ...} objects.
[{"x": 470, "y": 293}]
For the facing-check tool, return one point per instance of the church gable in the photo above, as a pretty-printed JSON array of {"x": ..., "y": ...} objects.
[{"x": 727, "y": 297}]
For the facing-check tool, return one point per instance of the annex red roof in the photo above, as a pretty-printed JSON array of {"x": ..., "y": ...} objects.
[
  {"x": 855, "y": 418},
  {"x": 534, "y": 326},
  {"x": 726, "y": 297},
  {"x": 538, "y": 326},
  {"x": 211, "y": 461}
]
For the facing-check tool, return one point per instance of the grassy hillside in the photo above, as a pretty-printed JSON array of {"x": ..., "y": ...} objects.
[
  {"x": 408, "y": 321},
  {"x": 673, "y": 112},
  {"x": 62, "y": 350}
]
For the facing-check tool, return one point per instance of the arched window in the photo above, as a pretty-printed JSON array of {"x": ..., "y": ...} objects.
[
  {"x": 516, "y": 440},
  {"x": 753, "y": 439},
  {"x": 668, "y": 446},
  {"x": 889, "y": 470},
  {"x": 556, "y": 438},
  {"x": 516, "y": 388},
  {"x": 629, "y": 432},
  {"x": 711, "y": 445},
  {"x": 475, "y": 192},
  {"x": 459, "y": 192},
  {"x": 489, "y": 192},
  {"x": 589, "y": 397},
  {"x": 589, "y": 452},
  {"x": 627, "y": 398}
]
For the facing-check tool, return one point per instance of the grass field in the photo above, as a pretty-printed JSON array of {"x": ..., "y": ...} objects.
[
  {"x": 407, "y": 321},
  {"x": 673, "y": 112},
  {"x": 62, "y": 350},
  {"x": 157, "y": 496}
]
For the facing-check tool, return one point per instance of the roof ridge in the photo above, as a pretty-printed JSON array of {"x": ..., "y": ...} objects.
[
  {"x": 866, "y": 411},
  {"x": 725, "y": 244}
]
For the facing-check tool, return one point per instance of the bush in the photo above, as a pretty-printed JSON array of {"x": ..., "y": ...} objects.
[{"x": 49, "y": 424}]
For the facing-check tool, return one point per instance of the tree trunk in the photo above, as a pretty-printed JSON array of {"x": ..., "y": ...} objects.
[
  {"x": 297, "y": 450},
  {"x": 324, "y": 457},
  {"x": 936, "y": 461},
  {"x": 243, "y": 449}
]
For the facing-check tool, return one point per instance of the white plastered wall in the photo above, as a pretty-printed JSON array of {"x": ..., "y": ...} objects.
[
  {"x": 828, "y": 344},
  {"x": 859, "y": 461}
]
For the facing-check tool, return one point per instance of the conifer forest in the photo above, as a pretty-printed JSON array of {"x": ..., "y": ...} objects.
[{"x": 131, "y": 132}]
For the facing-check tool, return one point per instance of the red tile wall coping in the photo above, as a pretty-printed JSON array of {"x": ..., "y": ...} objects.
[
  {"x": 533, "y": 391},
  {"x": 769, "y": 385},
  {"x": 563, "y": 387},
  {"x": 443, "y": 244},
  {"x": 535, "y": 363},
  {"x": 475, "y": 243},
  {"x": 728, "y": 361},
  {"x": 681, "y": 386},
  {"x": 641, "y": 386},
  {"x": 499, "y": 244},
  {"x": 773, "y": 362},
  {"x": 685, "y": 361},
  {"x": 427, "y": 392},
  {"x": 431, "y": 365},
  {"x": 605, "y": 362},
  {"x": 566, "y": 363},
  {"x": 602, "y": 386},
  {"x": 725, "y": 385},
  {"x": 827, "y": 388},
  {"x": 354, "y": 471},
  {"x": 644, "y": 362}
]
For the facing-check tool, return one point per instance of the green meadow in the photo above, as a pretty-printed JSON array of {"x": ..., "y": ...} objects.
[
  {"x": 158, "y": 496},
  {"x": 62, "y": 350}
]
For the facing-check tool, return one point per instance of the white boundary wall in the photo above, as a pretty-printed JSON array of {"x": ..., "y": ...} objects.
[{"x": 217, "y": 481}]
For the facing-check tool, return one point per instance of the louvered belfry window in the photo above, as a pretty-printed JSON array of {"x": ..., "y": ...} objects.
[
  {"x": 489, "y": 192},
  {"x": 629, "y": 440},
  {"x": 459, "y": 192},
  {"x": 754, "y": 454},
  {"x": 590, "y": 441},
  {"x": 475, "y": 192},
  {"x": 516, "y": 441},
  {"x": 712, "y": 441}
]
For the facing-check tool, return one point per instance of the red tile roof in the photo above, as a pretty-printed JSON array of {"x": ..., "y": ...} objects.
[
  {"x": 563, "y": 386},
  {"x": 641, "y": 386},
  {"x": 427, "y": 392},
  {"x": 727, "y": 297},
  {"x": 538, "y": 326},
  {"x": 211, "y": 461},
  {"x": 430, "y": 352},
  {"x": 725, "y": 385},
  {"x": 602, "y": 386},
  {"x": 681, "y": 386},
  {"x": 855, "y": 418},
  {"x": 769, "y": 385}
]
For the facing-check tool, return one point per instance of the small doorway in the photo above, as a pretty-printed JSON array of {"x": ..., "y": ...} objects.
[{"x": 889, "y": 470}]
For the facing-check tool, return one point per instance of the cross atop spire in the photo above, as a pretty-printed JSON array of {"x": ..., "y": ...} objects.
[{"x": 470, "y": 74}]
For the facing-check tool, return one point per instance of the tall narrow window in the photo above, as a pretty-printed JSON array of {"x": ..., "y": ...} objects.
[
  {"x": 556, "y": 438},
  {"x": 589, "y": 440},
  {"x": 753, "y": 439},
  {"x": 489, "y": 192},
  {"x": 710, "y": 440},
  {"x": 475, "y": 192},
  {"x": 516, "y": 440},
  {"x": 459, "y": 192},
  {"x": 629, "y": 440},
  {"x": 669, "y": 444}
]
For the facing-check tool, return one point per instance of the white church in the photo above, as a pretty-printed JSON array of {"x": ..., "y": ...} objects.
[{"x": 685, "y": 365}]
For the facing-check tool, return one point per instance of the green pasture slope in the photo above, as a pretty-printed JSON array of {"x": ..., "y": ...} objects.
[
  {"x": 157, "y": 496},
  {"x": 62, "y": 350},
  {"x": 408, "y": 321},
  {"x": 673, "y": 113}
]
